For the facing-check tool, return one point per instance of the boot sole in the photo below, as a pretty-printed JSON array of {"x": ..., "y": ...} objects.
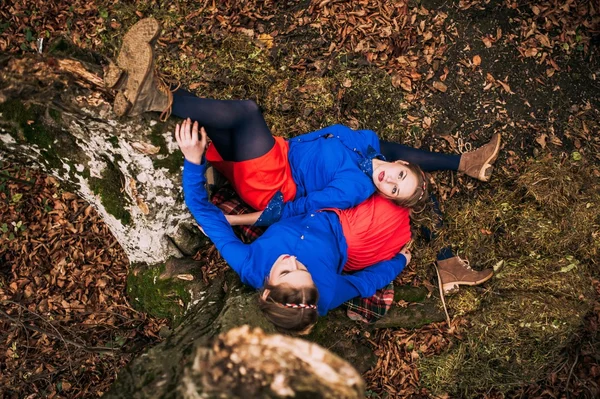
[
  {"x": 487, "y": 169},
  {"x": 139, "y": 68},
  {"x": 145, "y": 30},
  {"x": 135, "y": 60}
]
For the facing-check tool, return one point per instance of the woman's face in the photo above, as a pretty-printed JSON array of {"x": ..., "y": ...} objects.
[
  {"x": 288, "y": 270},
  {"x": 394, "y": 180}
]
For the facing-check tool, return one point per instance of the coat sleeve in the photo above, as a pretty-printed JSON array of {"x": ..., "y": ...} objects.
[
  {"x": 365, "y": 282},
  {"x": 212, "y": 220}
]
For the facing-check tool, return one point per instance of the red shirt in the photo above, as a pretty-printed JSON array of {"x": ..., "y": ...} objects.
[
  {"x": 257, "y": 180},
  {"x": 375, "y": 231}
]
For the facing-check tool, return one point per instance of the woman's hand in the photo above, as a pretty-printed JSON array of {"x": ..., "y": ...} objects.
[
  {"x": 245, "y": 219},
  {"x": 191, "y": 146},
  {"x": 406, "y": 252}
]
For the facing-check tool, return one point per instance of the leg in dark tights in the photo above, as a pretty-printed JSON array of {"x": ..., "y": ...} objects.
[
  {"x": 236, "y": 127},
  {"x": 430, "y": 235},
  {"x": 426, "y": 160}
]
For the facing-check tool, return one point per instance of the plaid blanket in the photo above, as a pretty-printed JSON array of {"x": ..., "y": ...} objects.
[{"x": 367, "y": 310}]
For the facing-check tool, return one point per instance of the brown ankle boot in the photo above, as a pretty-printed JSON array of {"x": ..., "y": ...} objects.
[
  {"x": 142, "y": 90},
  {"x": 454, "y": 272},
  {"x": 478, "y": 163},
  {"x": 144, "y": 31}
]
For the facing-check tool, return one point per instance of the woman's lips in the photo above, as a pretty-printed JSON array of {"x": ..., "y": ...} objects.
[{"x": 381, "y": 176}]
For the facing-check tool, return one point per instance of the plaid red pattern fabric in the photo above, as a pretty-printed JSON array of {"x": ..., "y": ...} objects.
[
  {"x": 228, "y": 201},
  {"x": 367, "y": 310}
]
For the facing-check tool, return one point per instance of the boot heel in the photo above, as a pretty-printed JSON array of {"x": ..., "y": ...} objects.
[
  {"x": 115, "y": 77},
  {"x": 450, "y": 288},
  {"x": 486, "y": 172},
  {"x": 121, "y": 105}
]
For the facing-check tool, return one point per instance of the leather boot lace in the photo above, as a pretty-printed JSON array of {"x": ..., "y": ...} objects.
[
  {"x": 164, "y": 84},
  {"x": 465, "y": 263},
  {"x": 442, "y": 295}
]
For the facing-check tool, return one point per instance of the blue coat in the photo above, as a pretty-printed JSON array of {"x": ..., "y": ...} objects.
[
  {"x": 332, "y": 168},
  {"x": 316, "y": 239}
]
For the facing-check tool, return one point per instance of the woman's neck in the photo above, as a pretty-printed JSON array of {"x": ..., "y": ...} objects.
[{"x": 377, "y": 162}]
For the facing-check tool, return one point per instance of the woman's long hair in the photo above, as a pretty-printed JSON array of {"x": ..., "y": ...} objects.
[
  {"x": 291, "y": 310},
  {"x": 418, "y": 199}
]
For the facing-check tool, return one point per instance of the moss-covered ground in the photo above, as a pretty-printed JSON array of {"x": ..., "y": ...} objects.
[{"x": 162, "y": 298}]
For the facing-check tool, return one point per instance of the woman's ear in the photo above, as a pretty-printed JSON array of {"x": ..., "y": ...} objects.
[
  {"x": 402, "y": 162},
  {"x": 265, "y": 294}
]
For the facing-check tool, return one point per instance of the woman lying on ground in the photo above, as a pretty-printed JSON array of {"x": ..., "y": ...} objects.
[{"x": 332, "y": 167}]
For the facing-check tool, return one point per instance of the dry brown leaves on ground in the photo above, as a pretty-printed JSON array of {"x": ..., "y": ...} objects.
[
  {"x": 66, "y": 327},
  {"x": 399, "y": 351},
  {"x": 25, "y": 21}
]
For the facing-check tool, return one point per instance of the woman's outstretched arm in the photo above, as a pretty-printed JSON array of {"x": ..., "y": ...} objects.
[
  {"x": 365, "y": 282},
  {"x": 208, "y": 216}
]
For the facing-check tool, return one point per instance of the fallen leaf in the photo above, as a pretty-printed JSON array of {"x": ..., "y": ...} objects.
[
  {"x": 556, "y": 141},
  {"x": 487, "y": 41},
  {"x": 142, "y": 205},
  {"x": 544, "y": 41},
  {"x": 451, "y": 141},
  {"x": 440, "y": 86},
  {"x": 426, "y": 122},
  {"x": 531, "y": 52},
  {"x": 476, "y": 60},
  {"x": 145, "y": 148},
  {"x": 505, "y": 86},
  {"x": 403, "y": 82},
  {"x": 266, "y": 39},
  {"x": 445, "y": 75},
  {"x": 541, "y": 140}
]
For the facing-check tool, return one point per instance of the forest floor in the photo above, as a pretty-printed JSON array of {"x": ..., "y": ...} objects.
[{"x": 432, "y": 74}]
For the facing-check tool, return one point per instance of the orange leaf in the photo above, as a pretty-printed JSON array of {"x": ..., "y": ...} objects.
[
  {"x": 440, "y": 86},
  {"x": 476, "y": 60}
]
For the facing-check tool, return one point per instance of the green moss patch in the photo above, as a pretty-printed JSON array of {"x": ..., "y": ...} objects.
[
  {"x": 161, "y": 298},
  {"x": 35, "y": 125},
  {"x": 108, "y": 187}
]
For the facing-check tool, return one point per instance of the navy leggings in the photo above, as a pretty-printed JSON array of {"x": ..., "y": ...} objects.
[{"x": 239, "y": 132}]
